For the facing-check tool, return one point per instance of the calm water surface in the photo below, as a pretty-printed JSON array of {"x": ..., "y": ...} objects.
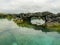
[{"x": 11, "y": 34}]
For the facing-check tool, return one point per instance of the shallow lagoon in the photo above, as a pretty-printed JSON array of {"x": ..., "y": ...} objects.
[{"x": 12, "y": 34}]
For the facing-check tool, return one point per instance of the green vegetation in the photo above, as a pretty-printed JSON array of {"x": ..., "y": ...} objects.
[
  {"x": 9, "y": 17},
  {"x": 25, "y": 24},
  {"x": 23, "y": 19},
  {"x": 18, "y": 21},
  {"x": 54, "y": 25}
]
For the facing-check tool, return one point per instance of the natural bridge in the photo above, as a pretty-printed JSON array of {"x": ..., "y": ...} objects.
[
  {"x": 47, "y": 16},
  {"x": 29, "y": 16}
]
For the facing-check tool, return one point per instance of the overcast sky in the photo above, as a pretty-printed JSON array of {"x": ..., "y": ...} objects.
[{"x": 19, "y": 6}]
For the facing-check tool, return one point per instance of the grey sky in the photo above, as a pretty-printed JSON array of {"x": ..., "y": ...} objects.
[{"x": 18, "y": 6}]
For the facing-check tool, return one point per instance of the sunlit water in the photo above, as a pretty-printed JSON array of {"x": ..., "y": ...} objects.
[{"x": 11, "y": 34}]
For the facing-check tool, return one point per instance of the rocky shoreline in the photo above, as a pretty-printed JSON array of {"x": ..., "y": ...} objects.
[{"x": 51, "y": 20}]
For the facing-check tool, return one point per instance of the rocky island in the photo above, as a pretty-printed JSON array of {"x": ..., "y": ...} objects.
[{"x": 51, "y": 20}]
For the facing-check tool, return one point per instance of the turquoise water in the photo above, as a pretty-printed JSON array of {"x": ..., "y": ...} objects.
[{"x": 11, "y": 34}]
